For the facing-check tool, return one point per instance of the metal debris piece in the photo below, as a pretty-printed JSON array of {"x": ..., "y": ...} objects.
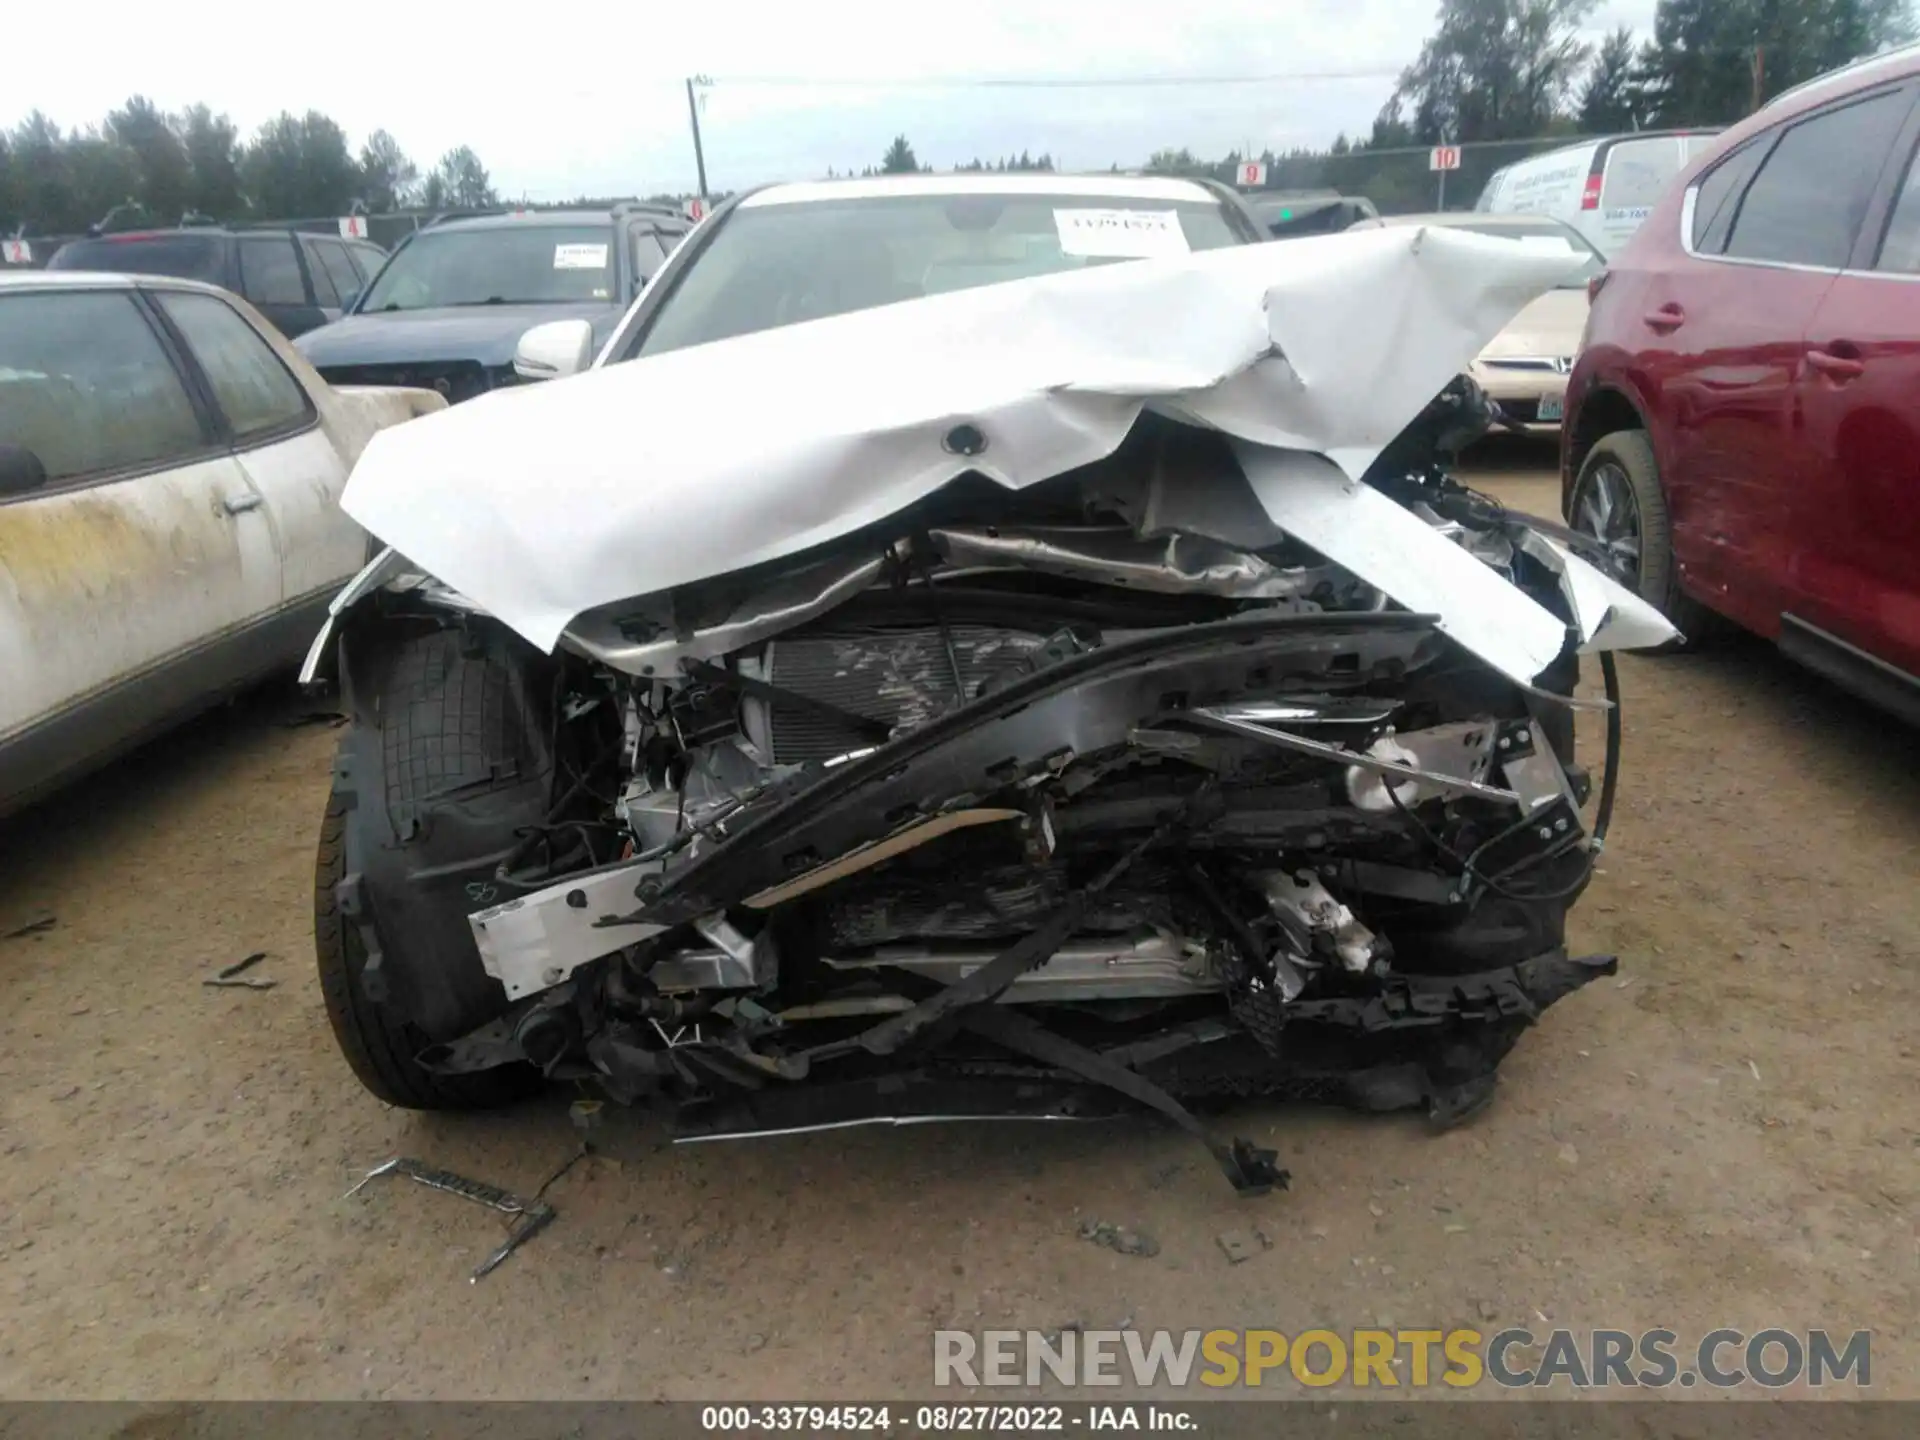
[
  {"x": 1235, "y": 1246},
  {"x": 231, "y": 978},
  {"x": 244, "y": 964},
  {"x": 1118, "y": 1239},
  {"x": 534, "y": 1215},
  {"x": 39, "y": 925}
]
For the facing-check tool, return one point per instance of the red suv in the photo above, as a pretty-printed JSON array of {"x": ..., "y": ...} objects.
[{"x": 1743, "y": 423}]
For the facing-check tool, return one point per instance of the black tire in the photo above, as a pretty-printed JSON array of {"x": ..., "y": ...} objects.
[
  {"x": 1622, "y": 466},
  {"x": 380, "y": 1048}
]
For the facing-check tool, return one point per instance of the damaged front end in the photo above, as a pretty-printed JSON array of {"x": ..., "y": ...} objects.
[{"x": 1141, "y": 788}]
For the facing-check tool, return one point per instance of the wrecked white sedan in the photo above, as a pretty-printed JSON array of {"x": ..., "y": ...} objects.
[
  {"x": 170, "y": 525},
  {"x": 990, "y": 646}
]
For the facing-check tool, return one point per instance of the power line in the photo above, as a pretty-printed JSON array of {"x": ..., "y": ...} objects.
[
  {"x": 1096, "y": 82},
  {"x": 1048, "y": 82}
]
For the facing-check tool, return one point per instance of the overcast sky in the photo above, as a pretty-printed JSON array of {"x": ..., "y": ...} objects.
[{"x": 586, "y": 97}]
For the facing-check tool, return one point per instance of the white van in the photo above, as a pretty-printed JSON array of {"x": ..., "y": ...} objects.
[{"x": 1603, "y": 188}]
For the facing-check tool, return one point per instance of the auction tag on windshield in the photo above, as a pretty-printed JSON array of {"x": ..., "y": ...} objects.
[
  {"x": 1120, "y": 234},
  {"x": 579, "y": 257}
]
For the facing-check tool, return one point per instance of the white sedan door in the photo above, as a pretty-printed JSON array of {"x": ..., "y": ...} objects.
[
  {"x": 132, "y": 547},
  {"x": 279, "y": 440}
]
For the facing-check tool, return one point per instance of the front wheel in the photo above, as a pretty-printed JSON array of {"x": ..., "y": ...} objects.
[
  {"x": 379, "y": 1046},
  {"x": 1618, "y": 502}
]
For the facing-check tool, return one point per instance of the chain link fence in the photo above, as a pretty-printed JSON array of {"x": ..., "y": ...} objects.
[{"x": 1398, "y": 181}]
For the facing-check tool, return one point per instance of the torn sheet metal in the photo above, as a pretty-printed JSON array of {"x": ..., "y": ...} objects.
[
  {"x": 1169, "y": 565},
  {"x": 1393, "y": 549},
  {"x": 1610, "y": 616},
  {"x": 376, "y": 572},
  {"x": 541, "y": 503}
]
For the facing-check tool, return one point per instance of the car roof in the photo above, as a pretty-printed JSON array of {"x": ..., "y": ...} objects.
[
  {"x": 97, "y": 280},
  {"x": 1892, "y": 64},
  {"x": 523, "y": 218},
  {"x": 1607, "y": 141},
  {"x": 1292, "y": 197},
  {"x": 1163, "y": 188},
  {"x": 173, "y": 232}
]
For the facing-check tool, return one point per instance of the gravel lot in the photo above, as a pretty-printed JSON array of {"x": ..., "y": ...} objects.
[{"x": 1727, "y": 1134}]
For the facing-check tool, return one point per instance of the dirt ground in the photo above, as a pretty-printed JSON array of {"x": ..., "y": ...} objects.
[{"x": 1726, "y": 1134}]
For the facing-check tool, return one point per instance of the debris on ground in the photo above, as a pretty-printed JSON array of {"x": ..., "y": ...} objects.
[
  {"x": 531, "y": 1216},
  {"x": 42, "y": 922},
  {"x": 572, "y": 1160},
  {"x": 232, "y": 976},
  {"x": 1119, "y": 1239},
  {"x": 332, "y": 719},
  {"x": 1236, "y": 1245}
]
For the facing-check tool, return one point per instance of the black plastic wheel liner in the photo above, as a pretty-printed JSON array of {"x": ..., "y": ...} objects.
[
  {"x": 1081, "y": 704},
  {"x": 448, "y": 756}
]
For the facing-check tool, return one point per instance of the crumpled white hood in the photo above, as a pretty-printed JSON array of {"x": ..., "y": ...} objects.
[{"x": 544, "y": 502}]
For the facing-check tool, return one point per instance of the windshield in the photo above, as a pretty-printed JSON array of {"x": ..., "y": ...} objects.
[
  {"x": 780, "y": 264},
  {"x": 1596, "y": 262},
  {"x": 504, "y": 264},
  {"x": 186, "y": 257}
]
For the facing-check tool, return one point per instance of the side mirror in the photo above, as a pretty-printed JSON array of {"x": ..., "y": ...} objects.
[
  {"x": 347, "y": 297},
  {"x": 20, "y": 470},
  {"x": 553, "y": 350}
]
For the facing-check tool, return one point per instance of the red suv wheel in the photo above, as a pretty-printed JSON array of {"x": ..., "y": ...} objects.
[{"x": 1618, "y": 501}]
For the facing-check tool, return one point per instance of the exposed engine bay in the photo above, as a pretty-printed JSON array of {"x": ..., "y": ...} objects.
[{"x": 1066, "y": 800}]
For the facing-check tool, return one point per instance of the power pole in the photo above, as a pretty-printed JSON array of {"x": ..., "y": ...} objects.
[
  {"x": 693, "y": 114},
  {"x": 1759, "y": 76}
]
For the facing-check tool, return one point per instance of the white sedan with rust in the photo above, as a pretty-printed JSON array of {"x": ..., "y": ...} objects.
[{"x": 170, "y": 525}]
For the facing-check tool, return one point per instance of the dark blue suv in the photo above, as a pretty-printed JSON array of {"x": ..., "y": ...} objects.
[{"x": 448, "y": 307}]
